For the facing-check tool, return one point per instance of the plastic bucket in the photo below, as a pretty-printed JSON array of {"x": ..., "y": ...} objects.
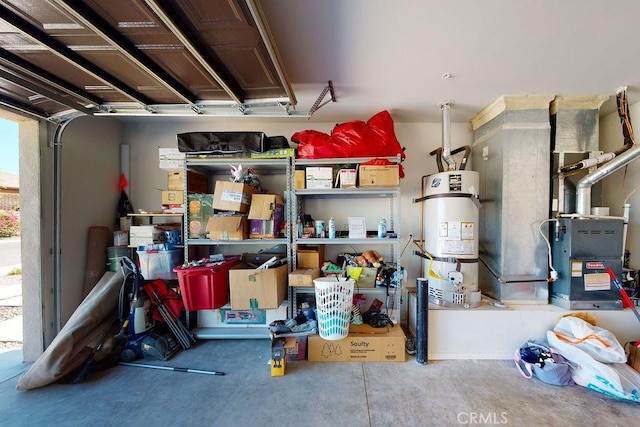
[
  {"x": 334, "y": 300},
  {"x": 114, "y": 254}
]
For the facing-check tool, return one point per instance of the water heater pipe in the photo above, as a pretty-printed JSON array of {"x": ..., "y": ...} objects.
[
  {"x": 583, "y": 189},
  {"x": 445, "y": 106}
]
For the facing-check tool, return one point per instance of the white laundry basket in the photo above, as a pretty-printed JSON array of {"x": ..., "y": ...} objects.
[{"x": 334, "y": 300}]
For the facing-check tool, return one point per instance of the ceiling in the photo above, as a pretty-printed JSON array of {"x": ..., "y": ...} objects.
[{"x": 279, "y": 58}]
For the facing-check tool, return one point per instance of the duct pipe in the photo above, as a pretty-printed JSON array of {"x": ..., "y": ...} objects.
[
  {"x": 446, "y": 133},
  {"x": 583, "y": 189}
]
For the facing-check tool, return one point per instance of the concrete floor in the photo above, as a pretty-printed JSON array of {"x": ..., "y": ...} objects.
[{"x": 451, "y": 392}]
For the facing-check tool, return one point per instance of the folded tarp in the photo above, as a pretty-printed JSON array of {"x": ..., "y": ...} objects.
[{"x": 70, "y": 348}]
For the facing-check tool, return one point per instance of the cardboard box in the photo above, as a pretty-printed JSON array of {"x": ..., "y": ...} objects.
[
  {"x": 299, "y": 179},
  {"x": 253, "y": 289},
  {"x": 634, "y": 357},
  {"x": 232, "y": 227},
  {"x": 295, "y": 348},
  {"x": 142, "y": 235},
  {"x": 379, "y": 176},
  {"x": 274, "y": 153},
  {"x": 303, "y": 277},
  {"x": 175, "y": 180},
  {"x": 172, "y": 197},
  {"x": 200, "y": 209},
  {"x": 170, "y": 158},
  {"x": 265, "y": 216},
  {"x": 232, "y": 196},
  {"x": 264, "y": 206},
  {"x": 365, "y": 277},
  {"x": 227, "y": 317},
  {"x": 347, "y": 177},
  {"x": 295, "y": 344},
  {"x": 319, "y": 177},
  {"x": 196, "y": 182},
  {"x": 310, "y": 256},
  {"x": 363, "y": 344},
  {"x": 264, "y": 228}
]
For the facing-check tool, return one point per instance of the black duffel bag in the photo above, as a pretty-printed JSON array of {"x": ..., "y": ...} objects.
[{"x": 228, "y": 142}]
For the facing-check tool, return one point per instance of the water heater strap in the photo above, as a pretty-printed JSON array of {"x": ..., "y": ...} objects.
[
  {"x": 453, "y": 260},
  {"x": 442, "y": 195}
]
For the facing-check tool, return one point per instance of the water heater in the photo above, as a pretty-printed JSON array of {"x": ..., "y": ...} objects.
[{"x": 450, "y": 228}]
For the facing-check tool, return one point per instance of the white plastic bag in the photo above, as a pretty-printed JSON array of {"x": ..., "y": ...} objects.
[
  {"x": 599, "y": 343},
  {"x": 614, "y": 379}
]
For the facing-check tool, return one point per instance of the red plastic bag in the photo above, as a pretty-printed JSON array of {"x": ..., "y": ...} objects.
[{"x": 375, "y": 138}]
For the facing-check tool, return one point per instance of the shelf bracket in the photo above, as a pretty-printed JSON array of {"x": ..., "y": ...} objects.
[{"x": 319, "y": 104}]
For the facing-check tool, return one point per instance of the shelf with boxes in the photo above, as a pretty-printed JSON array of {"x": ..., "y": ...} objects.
[
  {"x": 238, "y": 219},
  {"x": 349, "y": 194},
  {"x": 157, "y": 240}
]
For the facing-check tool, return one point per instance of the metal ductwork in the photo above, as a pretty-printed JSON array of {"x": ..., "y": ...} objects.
[
  {"x": 583, "y": 196},
  {"x": 622, "y": 157}
]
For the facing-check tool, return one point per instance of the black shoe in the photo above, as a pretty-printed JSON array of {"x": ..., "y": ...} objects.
[{"x": 410, "y": 346}]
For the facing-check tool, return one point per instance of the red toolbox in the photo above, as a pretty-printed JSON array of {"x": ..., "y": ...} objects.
[{"x": 205, "y": 287}]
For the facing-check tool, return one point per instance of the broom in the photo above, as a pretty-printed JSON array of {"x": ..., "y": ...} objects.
[{"x": 626, "y": 301}]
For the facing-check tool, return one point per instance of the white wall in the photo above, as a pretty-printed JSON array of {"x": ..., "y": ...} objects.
[
  {"x": 419, "y": 139},
  {"x": 90, "y": 176},
  {"x": 620, "y": 184}
]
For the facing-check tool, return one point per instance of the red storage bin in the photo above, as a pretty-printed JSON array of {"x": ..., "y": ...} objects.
[{"x": 207, "y": 287}]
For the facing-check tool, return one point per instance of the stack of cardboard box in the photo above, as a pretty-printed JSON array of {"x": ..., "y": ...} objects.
[
  {"x": 173, "y": 196},
  {"x": 241, "y": 213},
  {"x": 322, "y": 177},
  {"x": 232, "y": 201}
]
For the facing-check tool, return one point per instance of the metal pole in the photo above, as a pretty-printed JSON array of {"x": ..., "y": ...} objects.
[
  {"x": 57, "y": 225},
  {"x": 422, "y": 321},
  {"x": 171, "y": 368}
]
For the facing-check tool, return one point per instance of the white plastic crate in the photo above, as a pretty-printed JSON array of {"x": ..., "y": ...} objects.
[{"x": 159, "y": 264}]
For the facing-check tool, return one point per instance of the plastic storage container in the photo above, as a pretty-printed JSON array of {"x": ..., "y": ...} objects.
[
  {"x": 206, "y": 287},
  {"x": 159, "y": 264},
  {"x": 114, "y": 254},
  {"x": 334, "y": 300}
]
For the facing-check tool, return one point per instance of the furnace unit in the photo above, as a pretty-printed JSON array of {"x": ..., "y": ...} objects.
[{"x": 582, "y": 248}]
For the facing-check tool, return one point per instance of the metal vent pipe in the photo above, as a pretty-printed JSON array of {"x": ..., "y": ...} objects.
[
  {"x": 583, "y": 189},
  {"x": 446, "y": 133}
]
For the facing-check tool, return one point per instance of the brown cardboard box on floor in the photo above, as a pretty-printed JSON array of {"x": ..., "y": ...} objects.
[
  {"x": 634, "y": 357},
  {"x": 363, "y": 344}
]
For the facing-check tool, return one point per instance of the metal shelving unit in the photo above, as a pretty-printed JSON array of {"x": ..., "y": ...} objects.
[
  {"x": 388, "y": 195},
  {"x": 221, "y": 167}
]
